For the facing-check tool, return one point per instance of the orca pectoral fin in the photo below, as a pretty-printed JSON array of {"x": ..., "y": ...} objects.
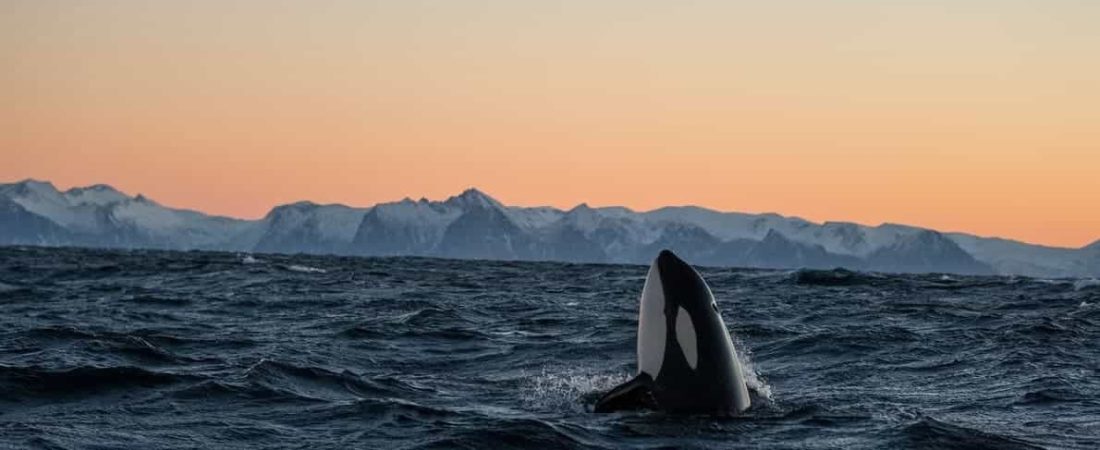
[{"x": 632, "y": 395}]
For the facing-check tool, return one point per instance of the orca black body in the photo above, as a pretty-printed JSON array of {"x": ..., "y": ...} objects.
[{"x": 686, "y": 360}]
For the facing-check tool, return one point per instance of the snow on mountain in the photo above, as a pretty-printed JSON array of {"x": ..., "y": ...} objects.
[
  {"x": 564, "y": 242},
  {"x": 146, "y": 223},
  {"x": 21, "y": 227},
  {"x": 43, "y": 199},
  {"x": 422, "y": 213},
  {"x": 102, "y": 216},
  {"x": 687, "y": 240},
  {"x": 844, "y": 238},
  {"x": 484, "y": 231},
  {"x": 840, "y": 238},
  {"x": 1092, "y": 260},
  {"x": 926, "y": 251},
  {"x": 779, "y": 251},
  {"x": 585, "y": 219},
  {"x": 473, "y": 198},
  {"x": 151, "y": 217},
  {"x": 474, "y": 225},
  {"x": 404, "y": 228},
  {"x": 99, "y": 194},
  {"x": 469, "y": 225},
  {"x": 618, "y": 234},
  {"x": 307, "y": 227},
  {"x": 533, "y": 218},
  {"x": 1095, "y": 246},
  {"x": 727, "y": 226},
  {"x": 1014, "y": 257}
]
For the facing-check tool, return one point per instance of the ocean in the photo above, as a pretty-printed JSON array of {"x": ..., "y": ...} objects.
[{"x": 156, "y": 349}]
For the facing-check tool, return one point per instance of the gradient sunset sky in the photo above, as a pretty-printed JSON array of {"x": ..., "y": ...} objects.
[{"x": 962, "y": 115}]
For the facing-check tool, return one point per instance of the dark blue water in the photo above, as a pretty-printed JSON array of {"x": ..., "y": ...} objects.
[{"x": 103, "y": 349}]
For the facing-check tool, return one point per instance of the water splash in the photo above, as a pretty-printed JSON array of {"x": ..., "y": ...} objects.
[
  {"x": 756, "y": 382},
  {"x": 562, "y": 390}
]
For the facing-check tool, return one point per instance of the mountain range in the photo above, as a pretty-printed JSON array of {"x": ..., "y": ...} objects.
[{"x": 473, "y": 225}]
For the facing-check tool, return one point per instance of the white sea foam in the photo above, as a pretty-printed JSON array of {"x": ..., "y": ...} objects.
[
  {"x": 1086, "y": 284},
  {"x": 753, "y": 380},
  {"x": 249, "y": 259},
  {"x": 304, "y": 269}
]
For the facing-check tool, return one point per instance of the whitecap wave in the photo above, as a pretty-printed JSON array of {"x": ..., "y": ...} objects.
[
  {"x": 304, "y": 269},
  {"x": 1088, "y": 283}
]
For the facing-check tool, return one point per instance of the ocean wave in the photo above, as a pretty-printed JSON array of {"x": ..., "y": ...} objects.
[
  {"x": 208, "y": 390},
  {"x": 303, "y": 269},
  {"x": 1090, "y": 283},
  {"x": 510, "y": 433},
  {"x": 41, "y": 383},
  {"x": 157, "y": 300},
  {"x": 833, "y": 277},
  {"x": 194, "y": 349},
  {"x": 15, "y": 292},
  {"x": 380, "y": 412},
  {"x": 932, "y": 433},
  {"x": 7, "y": 288},
  {"x": 1055, "y": 396},
  {"x": 311, "y": 382}
]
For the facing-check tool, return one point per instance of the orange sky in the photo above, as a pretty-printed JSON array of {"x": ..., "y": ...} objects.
[{"x": 970, "y": 115}]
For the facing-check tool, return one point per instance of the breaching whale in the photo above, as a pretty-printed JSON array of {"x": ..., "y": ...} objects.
[{"x": 686, "y": 360}]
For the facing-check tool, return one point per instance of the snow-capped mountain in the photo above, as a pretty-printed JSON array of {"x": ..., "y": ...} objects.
[
  {"x": 1093, "y": 247},
  {"x": 474, "y": 225},
  {"x": 1014, "y": 257},
  {"x": 407, "y": 227},
  {"x": 21, "y": 227},
  {"x": 468, "y": 225},
  {"x": 306, "y": 227},
  {"x": 101, "y": 216},
  {"x": 925, "y": 251},
  {"x": 484, "y": 230},
  {"x": 778, "y": 251}
]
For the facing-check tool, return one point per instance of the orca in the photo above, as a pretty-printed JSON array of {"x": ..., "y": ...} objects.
[{"x": 686, "y": 360}]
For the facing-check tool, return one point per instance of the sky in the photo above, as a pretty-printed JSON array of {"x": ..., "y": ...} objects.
[{"x": 964, "y": 115}]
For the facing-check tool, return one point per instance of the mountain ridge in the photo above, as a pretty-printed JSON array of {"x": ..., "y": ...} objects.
[{"x": 474, "y": 225}]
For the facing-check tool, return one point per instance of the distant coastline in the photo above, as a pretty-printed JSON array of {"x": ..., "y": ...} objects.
[{"x": 473, "y": 225}]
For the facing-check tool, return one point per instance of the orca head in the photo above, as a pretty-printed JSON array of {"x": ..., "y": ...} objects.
[
  {"x": 686, "y": 358},
  {"x": 673, "y": 289}
]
